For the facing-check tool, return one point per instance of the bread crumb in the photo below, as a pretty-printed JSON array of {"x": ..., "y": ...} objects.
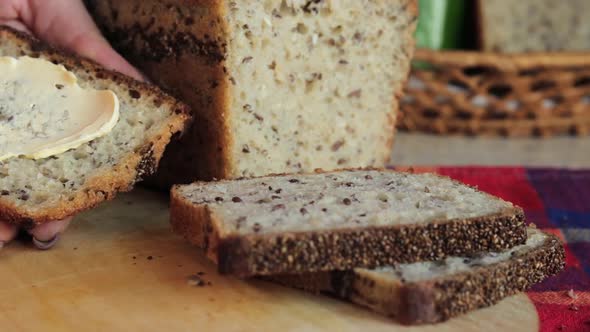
[
  {"x": 571, "y": 294},
  {"x": 196, "y": 280}
]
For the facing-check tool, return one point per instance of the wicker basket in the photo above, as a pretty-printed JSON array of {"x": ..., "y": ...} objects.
[{"x": 489, "y": 94}]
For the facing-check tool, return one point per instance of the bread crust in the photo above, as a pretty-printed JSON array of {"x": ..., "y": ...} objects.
[
  {"x": 342, "y": 249},
  {"x": 128, "y": 171},
  {"x": 442, "y": 298},
  {"x": 197, "y": 43}
]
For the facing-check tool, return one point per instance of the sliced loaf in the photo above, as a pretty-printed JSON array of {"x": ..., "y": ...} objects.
[
  {"x": 276, "y": 86},
  {"x": 340, "y": 220},
  {"x": 36, "y": 191},
  {"x": 534, "y": 25},
  {"x": 430, "y": 292}
]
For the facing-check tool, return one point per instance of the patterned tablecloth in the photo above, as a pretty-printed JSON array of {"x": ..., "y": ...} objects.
[{"x": 557, "y": 201}]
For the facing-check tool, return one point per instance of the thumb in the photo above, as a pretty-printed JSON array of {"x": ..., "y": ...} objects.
[{"x": 67, "y": 24}]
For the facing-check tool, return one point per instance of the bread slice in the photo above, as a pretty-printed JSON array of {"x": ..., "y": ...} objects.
[
  {"x": 36, "y": 191},
  {"x": 430, "y": 292},
  {"x": 534, "y": 25},
  {"x": 276, "y": 86},
  {"x": 340, "y": 220}
]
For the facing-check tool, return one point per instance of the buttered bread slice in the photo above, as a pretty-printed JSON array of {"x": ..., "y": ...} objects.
[
  {"x": 73, "y": 134},
  {"x": 340, "y": 220}
]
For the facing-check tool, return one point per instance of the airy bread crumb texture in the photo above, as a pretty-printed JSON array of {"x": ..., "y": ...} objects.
[
  {"x": 311, "y": 87},
  {"x": 338, "y": 200}
]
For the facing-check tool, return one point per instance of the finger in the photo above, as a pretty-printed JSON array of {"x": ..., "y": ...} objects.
[
  {"x": 7, "y": 233},
  {"x": 67, "y": 24},
  {"x": 47, "y": 235},
  {"x": 95, "y": 47},
  {"x": 17, "y": 25}
]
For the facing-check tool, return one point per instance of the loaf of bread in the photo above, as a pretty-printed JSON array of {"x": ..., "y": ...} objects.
[
  {"x": 430, "y": 292},
  {"x": 534, "y": 25},
  {"x": 340, "y": 220},
  {"x": 52, "y": 188},
  {"x": 276, "y": 86}
]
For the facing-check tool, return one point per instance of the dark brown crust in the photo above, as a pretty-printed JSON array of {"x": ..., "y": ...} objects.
[
  {"x": 481, "y": 287},
  {"x": 344, "y": 249},
  {"x": 440, "y": 299},
  {"x": 516, "y": 275},
  {"x": 184, "y": 51},
  {"x": 418, "y": 305},
  {"x": 370, "y": 247},
  {"x": 103, "y": 186}
]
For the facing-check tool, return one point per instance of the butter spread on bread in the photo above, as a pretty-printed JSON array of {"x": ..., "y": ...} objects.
[
  {"x": 44, "y": 112},
  {"x": 36, "y": 191}
]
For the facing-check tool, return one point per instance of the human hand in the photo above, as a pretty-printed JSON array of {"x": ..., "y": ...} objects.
[{"x": 67, "y": 25}]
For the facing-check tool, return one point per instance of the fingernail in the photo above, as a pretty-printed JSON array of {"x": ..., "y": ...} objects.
[
  {"x": 44, "y": 245},
  {"x": 146, "y": 79}
]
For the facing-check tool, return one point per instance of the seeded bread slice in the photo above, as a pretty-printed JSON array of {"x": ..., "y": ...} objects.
[
  {"x": 276, "y": 86},
  {"x": 430, "y": 292},
  {"x": 522, "y": 26},
  {"x": 340, "y": 220},
  {"x": 37, "y": 191}
]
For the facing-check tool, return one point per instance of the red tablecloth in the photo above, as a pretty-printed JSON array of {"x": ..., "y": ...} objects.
[{"x": 557, "y": 201}]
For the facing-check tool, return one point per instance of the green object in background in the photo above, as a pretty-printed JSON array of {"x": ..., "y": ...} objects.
[{"x": 440, "y": 24}]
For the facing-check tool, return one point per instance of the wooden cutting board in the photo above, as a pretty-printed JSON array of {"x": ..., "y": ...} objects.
[{"x": 119, "y": 268}]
